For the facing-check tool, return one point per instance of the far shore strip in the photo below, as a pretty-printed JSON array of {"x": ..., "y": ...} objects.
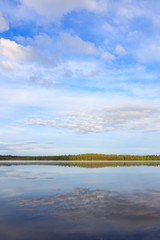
[{"x": 79, "y": 161}]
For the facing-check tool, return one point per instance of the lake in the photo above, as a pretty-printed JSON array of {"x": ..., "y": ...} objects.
[{"x": 79, "y": 202}]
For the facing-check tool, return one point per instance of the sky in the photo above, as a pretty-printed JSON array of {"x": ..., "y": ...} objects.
[{"x": 79, "y": 76}]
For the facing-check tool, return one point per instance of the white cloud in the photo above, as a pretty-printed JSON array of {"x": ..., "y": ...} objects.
[
  {"x": 50, "y": 123},
  {"x": 48, "y": 50},
  {"x": 23, "y": 146},
  {"x": 7, "y": 65},
  {"x": 106, "y": 56},
  {"x": 130, "y": 10},
  {"x": 74, "y": 44},
  {"x": 12, "y": 53},
  {"x": 109, "y": 28},
  {"x": 56, "y": 8},
  {"x": 64, "y": 43},
  {"x": 148, "y": 51},
  {"x": 16, "y": 52},
  {"x": 70, "y": 43},
  {"x": 46, "y": 60},
  {"x": 110, "y": 118},
  {"x": 3, "y": 24},
  {"x": 119, "y": 50}
]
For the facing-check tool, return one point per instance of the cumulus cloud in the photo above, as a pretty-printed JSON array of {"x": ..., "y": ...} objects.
[
  {"x": 46, "y": 50},
  {"x": 16, "y": 52},
  {"x": 47, "y": 61},
  {"x": 12, "y": 54},
  {"x": 57, "y": 8},
  {"x": 66, "y": 44},
  {"x": 4, "y": 26}
]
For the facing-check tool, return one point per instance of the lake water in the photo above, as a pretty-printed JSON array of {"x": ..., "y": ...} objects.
[{"x": 74, "y": 203}]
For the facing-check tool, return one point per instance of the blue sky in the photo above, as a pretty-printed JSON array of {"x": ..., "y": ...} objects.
[{"x": 79, "y": 76}]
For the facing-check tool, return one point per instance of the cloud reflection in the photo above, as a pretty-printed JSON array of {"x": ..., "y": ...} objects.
[
  {"x": 85, "y": 214},
  {"x": 98, "y": 204}
]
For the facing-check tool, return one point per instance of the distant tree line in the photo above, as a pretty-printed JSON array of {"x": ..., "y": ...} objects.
[{"x": 84, "y": 157}]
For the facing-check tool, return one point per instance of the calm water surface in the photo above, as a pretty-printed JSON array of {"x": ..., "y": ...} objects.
[{"x": 60, "y": 202}]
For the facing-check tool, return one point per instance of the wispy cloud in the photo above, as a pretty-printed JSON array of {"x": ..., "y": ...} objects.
[
  {"x": 53, "y": 9},
  {"x": 22, "y": 146},
  {"x": 4, "y": 26}
]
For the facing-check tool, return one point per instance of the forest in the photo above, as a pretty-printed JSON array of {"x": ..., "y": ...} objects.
[{"x": 85, "y": 157}]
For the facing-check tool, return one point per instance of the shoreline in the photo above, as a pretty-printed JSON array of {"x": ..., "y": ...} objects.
[{"x": 79, "y": 161}]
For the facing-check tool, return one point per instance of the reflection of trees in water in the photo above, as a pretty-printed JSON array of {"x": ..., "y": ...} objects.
[
  {"x": 101, "y": 164},
  {"x": 88, "y": 164}
]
